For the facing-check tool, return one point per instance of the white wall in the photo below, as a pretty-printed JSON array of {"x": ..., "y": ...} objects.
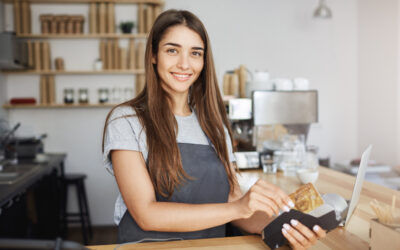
[
  {"x": 280, "y": 36},
  {"x": 379, "y": 79},
  {"x": 398, "y": 97}
]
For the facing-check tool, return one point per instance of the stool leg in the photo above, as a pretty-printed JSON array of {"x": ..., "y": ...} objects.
[
  {"x": 82, "y": 218},
  {"x": 64, "y": 208},
  {"x": 86, "y": 210}
]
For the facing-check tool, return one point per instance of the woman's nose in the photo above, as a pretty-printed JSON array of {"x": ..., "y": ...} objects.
[{"x": 183, "y": 62}]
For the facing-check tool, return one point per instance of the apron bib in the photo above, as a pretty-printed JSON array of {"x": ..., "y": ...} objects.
[{"x": 209, "y": 185}]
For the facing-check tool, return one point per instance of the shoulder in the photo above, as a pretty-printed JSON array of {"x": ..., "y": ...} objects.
[{"x": 127, "y": 113}]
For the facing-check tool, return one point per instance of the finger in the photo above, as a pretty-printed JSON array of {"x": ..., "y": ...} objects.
[
  {"x": 271, "y": 195},
  {"x": 319, "y": 231},
  {"x": 259, "y": 193},
  {"x": 278, "y": 192},
  {"x": 305, "y": 231},
  {"x": 266, "y": 202},
  {"x": 292, "y": 241},
  {"x": 297, "y": 235},
  {"x": 259, "y": 206}
]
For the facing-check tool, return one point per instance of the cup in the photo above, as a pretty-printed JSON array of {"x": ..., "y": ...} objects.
[
  {"x": 307, "y": 175},
  {"x": 283, "y": 84},
  {"x": 268, "y": 165}
]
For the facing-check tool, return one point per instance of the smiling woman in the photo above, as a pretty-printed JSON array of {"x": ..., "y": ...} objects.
[
  {"x": 179, "y": 60},
  {"x": 171, "y": 153}
]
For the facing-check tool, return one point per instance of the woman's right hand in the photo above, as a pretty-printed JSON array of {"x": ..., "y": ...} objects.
[{"x": 265, "y": 197}]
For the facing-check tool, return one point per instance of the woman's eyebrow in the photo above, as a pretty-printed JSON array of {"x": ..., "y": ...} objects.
[
  {"x": 178, "y": 45},
  {"x": 198, "y": 48}
]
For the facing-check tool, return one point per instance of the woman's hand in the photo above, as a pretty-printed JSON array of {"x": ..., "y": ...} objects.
[
  {"x": 300, "y": 236},
  {"x": 265, "y": 197}
]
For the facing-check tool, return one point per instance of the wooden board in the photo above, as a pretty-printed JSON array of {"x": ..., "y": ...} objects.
[
  {"x": 140, "y": 19},
  {"x": 43, "y": 90},
  {"x": 77, "y": 72},
  {"x": 131, "y": 55},
  {"x": 37, "y": 55},
  {"x": 58, "y": 106},
  {"x": 17, "y": 17},
  {"x": 82, "y": 36},
  {"x": 161, "y": 2},
  {"x": 102, "y": 18},
  {"x": 111, "y": 18},
  {"x": 93, "y": 18}
]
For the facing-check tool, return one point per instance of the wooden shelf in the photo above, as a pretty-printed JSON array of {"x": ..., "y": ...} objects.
[
  {"x": 81, "y": 36},
  {"x": 75, "y": 72},
  {"x": 58, "y": 106},
  {"x": 93, "y": 1}
]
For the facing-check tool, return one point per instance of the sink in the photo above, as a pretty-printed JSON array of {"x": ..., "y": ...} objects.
[{"x": 11, "y": 174}]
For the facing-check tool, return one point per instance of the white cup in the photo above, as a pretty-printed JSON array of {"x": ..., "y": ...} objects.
[
  {"x": 283, "y": 84},
  {"x": 301, "y": 84}
]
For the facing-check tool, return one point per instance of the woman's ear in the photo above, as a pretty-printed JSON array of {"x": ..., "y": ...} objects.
[{"x": 154, "y": 59}]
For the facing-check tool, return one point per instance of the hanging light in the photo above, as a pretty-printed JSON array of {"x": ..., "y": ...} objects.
[{"x": 322, "y": 10}]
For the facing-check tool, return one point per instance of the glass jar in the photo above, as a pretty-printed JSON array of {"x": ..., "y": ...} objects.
[
  {"x": 103, "y": 95},
  {"x": 68, "y": 96},
  {"x": 83, "y": 96}
]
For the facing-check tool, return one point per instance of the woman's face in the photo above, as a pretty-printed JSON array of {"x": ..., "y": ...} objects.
[{"x": 180, "y": 59}]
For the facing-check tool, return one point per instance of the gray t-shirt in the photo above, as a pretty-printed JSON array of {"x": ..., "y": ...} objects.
[{"x": 126, "y": 133}]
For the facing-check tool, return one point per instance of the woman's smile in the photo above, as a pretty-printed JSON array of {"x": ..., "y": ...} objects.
[{"x": 182, "y": 77}]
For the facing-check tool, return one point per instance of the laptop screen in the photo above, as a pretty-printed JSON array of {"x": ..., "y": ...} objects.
[{"x": 359, "y": 183}]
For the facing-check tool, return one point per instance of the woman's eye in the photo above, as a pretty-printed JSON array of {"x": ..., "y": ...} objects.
[
  {"x": 196, "y": 53},
  {"x": 171, "y": 51}
]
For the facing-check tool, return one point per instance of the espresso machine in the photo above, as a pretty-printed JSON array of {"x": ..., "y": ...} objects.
[{"x": 258, "y": 123}]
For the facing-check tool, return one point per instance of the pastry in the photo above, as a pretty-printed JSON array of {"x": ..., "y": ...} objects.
[{"x": 306, "y": 198}]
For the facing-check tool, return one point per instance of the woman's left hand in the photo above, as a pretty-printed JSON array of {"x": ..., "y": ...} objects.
[{"x": 300, "y": 236}]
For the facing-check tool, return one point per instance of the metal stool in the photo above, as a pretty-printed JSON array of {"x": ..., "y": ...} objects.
[{"x": 82, "y": 216}]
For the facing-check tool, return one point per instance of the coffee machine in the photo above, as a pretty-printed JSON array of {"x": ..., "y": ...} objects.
[{"x": 259, "y": 122}]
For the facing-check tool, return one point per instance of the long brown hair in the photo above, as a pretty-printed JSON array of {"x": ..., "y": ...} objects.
[{"x": 159, "y": 123}]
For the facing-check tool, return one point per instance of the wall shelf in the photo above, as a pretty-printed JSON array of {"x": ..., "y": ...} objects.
[
  {"x": 82, "y": 36},
  {"x": 58, "y": 106},
  {"x": 77, "y": 72},
  {"x": 93, "y": 1}
]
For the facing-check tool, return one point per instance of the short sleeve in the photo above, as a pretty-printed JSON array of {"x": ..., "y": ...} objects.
[
  {"x": 119, "y": 134},
  {"x": 232, "y": 157}
]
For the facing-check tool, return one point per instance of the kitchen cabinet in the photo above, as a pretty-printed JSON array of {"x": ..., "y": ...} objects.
[{"x": 30, "y": 204}]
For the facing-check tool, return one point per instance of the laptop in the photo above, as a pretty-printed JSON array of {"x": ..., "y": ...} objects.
[
  {"x": 355, "y": 197},
  {"x": 345, "y": 208}
]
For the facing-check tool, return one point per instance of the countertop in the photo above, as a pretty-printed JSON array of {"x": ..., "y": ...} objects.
[
  {"x": 354, "y": 236},
  {"x": 9, "y": 191}
]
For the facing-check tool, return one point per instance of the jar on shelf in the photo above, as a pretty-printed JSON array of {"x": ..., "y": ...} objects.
[
  {"x": 62, "y": 25},
  {"x": 45, "y": 23},
  {"x": 78, "y": 24},
  {"x": 68, "y": 96},
  {"x": 103, "y": 95},
  {"x": 83, "y": 96},
  {"x": 69, "y": 24},
  {"x": 53, "y": 25}
]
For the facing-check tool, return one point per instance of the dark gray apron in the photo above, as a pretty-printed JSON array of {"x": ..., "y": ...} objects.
[{"x": 210, "y": 185}]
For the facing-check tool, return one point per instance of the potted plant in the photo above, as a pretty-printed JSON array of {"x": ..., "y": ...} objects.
[{"x": 126, "y": 27}]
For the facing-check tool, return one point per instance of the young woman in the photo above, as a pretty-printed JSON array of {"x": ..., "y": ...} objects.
[{"x": 171, "y": 153}]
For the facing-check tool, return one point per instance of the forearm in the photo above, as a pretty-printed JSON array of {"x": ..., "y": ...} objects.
[
  {"x": 180, "y": 217},
  {"x": 255, "y": 224}
]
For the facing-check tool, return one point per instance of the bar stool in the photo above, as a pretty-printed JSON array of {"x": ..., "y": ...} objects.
[{"x": 82, "y": 216}]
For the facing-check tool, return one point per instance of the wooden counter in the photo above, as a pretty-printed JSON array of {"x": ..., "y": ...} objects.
[{"x": 355, "y": 236}]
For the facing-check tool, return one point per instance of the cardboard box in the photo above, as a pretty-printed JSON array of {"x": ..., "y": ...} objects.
[{"x": 383, "y": 236}]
